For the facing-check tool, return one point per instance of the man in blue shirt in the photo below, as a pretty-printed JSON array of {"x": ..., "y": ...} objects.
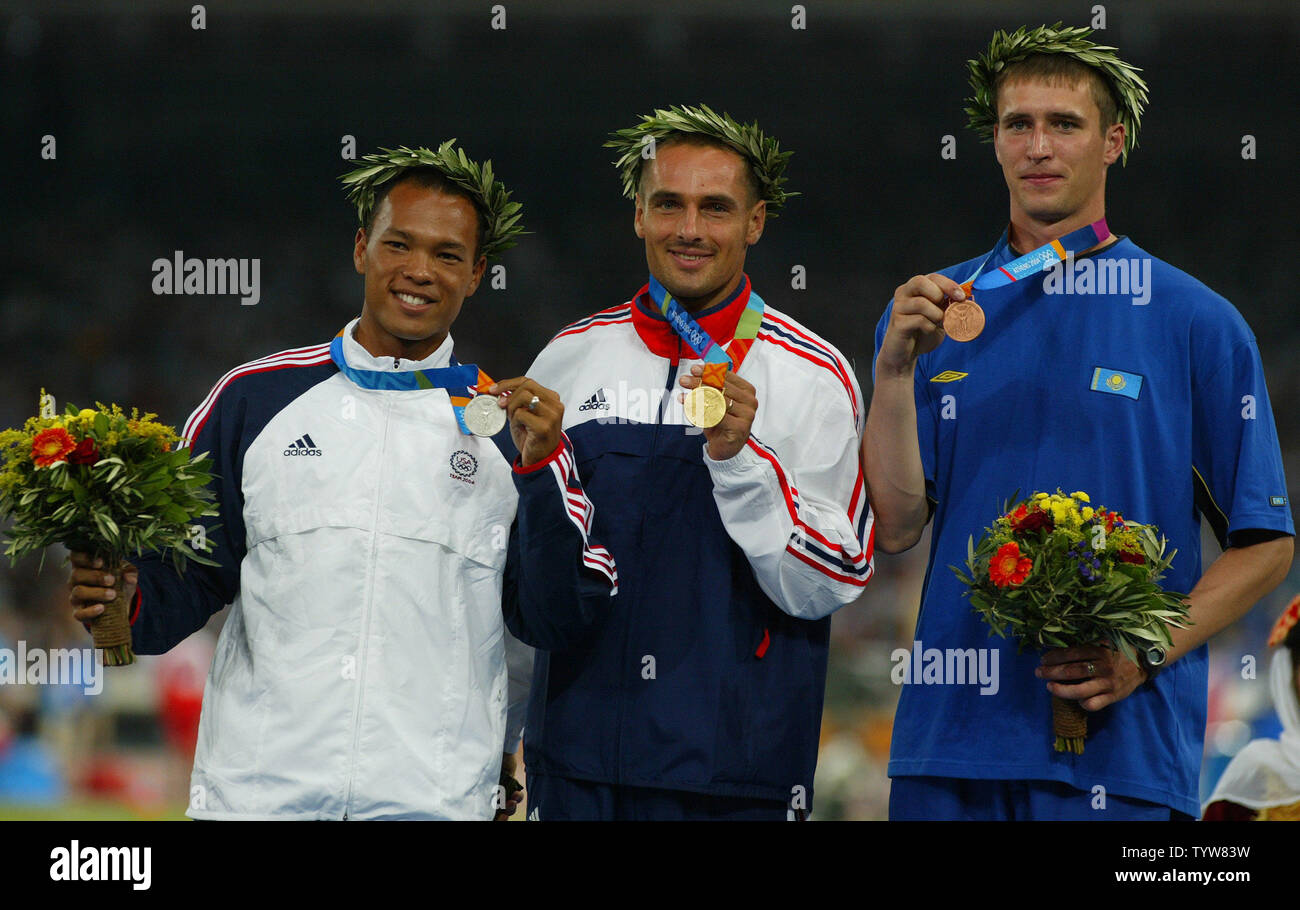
[{"x": 1114, "y": 373}]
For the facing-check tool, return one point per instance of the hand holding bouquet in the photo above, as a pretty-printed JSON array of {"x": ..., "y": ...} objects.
[
  {"x": 107, "y": 484},
  {"x": 1055, "y": 572}
]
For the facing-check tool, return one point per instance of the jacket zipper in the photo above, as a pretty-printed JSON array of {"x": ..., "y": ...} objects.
[
  {"x": 666, "y": 403},
  {"x": 366, "y": 609},
  {"x": 629, "y": 659}
]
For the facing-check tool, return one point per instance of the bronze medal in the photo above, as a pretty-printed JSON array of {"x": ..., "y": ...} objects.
[
  {"x": 705, "y": 406},
  {"x": 963, "y": 320}
]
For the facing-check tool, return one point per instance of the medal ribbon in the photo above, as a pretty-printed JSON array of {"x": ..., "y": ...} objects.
[
  {"x": 460, "y": 376},
  {"x": 716, "y": 361},
  {"x": 1041, "y": 259}
]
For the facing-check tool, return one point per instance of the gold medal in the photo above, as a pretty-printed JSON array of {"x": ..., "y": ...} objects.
[{"x": 705, "y": 406}]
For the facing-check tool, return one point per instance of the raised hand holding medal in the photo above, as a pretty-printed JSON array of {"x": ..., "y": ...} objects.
[
  {"x": 718, "y": 401},
  {"x": 963, "y": 320},
  {"x": 536, "y": 416},
  {"x": 705, "y": 404},
  {"x": 738, "y": 407}
]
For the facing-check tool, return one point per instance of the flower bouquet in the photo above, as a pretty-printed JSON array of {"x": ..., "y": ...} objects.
[
  {"x": 1056, "y": 572},
  {"x": 104, "y": 483}
]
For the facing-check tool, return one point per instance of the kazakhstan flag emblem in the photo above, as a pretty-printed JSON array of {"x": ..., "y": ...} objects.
[{"x": 1116, "y": 382}]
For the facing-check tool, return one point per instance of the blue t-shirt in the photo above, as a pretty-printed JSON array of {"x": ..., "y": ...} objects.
[{"x": 1125, "y": 378}]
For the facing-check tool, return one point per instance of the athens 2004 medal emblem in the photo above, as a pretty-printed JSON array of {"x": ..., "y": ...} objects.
[
  {"x": 705, "y": 406},
  {"x": 964, "y": 320},
  {"x": 483, "y": 417}
]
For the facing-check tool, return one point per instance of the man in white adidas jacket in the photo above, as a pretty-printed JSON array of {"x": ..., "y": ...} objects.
[{"x": 370, "y": 547}]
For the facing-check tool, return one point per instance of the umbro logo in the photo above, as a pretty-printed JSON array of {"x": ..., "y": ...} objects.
[
  {"x": 303, "y": 446},
  {"x": 596, "y": 402},
  {"x": 950, "y": 376}
]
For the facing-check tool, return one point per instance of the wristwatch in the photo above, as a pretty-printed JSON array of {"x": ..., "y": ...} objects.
[{"x": 1152, "y": 660}]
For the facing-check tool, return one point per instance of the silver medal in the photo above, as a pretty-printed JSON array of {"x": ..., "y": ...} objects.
[{"x": 483, "y": 417}]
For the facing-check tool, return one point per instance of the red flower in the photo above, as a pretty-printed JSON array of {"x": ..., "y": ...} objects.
[
  {"x": 1007, "y": 568},
  {"x": 1025, "y": 519},
  {"x": 1111, "y": 519},
  {"x": 1136, "y": 557},
  {"x": 85, "y": 452},
  {"x": 51, "y": 446}
]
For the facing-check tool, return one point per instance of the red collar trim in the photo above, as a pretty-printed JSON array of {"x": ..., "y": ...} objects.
[{"x": 719, "y": 321}]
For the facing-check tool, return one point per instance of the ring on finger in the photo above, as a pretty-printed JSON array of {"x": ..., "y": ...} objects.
[
  {"x": 532, "y": 405},
  {"x": 1092, "y": 669},
  {"x": 730, "y": 404}
]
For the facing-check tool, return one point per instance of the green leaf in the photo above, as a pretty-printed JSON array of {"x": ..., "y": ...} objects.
[
  {"x": 192, "y": 554},
  {"x": 1126, "y": 649},
  {"x": 108, "y": 529}
]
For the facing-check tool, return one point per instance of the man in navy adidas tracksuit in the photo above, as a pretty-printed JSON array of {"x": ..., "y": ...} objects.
[
  {"x": 368, "y": 543},
  {"x": 701, "y": 695}
]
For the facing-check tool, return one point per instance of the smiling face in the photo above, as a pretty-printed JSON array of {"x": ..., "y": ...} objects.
[
  {"x": 419, "y": 261},
  {"x": 698, "y": 216},
  {"x": 1054, "y": 153}
]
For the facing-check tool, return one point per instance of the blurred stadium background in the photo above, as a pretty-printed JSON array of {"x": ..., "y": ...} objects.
[{"x": 225, "y": 142}]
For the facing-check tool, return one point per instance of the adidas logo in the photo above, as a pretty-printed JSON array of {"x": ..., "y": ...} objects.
[
  {"x": 303, "y": 446},
  {"x": 533, "y": 816},
  {"x": 596, "y": 402}
]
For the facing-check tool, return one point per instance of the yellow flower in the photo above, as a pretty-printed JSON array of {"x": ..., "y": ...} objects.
[
  {"x": 1088, "y": 513},
  {"x": 84, "y": 421},
  {"x": 146, "y": 428},
  {"x": 1081, "y": 496},
  {"x": 1040, "y": 496}
]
